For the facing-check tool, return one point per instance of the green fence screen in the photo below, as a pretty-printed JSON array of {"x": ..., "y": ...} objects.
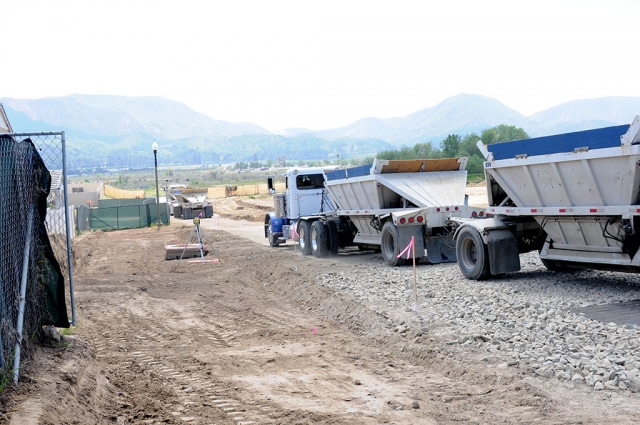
[{"x": 127, "y": 216}]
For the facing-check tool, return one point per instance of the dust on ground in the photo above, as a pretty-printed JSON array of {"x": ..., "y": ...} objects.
[{"x": 255, "y": 339}]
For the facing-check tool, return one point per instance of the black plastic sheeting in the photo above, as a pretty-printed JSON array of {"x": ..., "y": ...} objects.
[
  {"x": 54, "y": 285},
  {"x": 50, "y": 273}
]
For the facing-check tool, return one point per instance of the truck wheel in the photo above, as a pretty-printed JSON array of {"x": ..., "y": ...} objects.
[
  {"x": 390, "y": 248},
  {"x": 334, "y": 243},
  {"x": 304, "y": 233},
  {"x": 319, "y": 239},
  {"x": 555, "y": 266},
  {"x": 472, "y": 254},
  {"x": 268, "y": 230}
]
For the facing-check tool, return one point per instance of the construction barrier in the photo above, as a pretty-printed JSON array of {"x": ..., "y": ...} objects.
[
  {"x": 110, "y": 203},
  {"x": 242, "y": 190},
  {"x": 127, "y": 216},
  {"x": 217, "y": 192},
  {"x": 115, "y": 193}
]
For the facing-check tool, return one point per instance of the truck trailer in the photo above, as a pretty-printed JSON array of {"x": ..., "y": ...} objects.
[
  {"x": 573, "y": 197},
  {"x": 379, "y": 206}
]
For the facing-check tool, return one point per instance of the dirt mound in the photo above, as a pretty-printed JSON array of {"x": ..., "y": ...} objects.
[{"x": 242, "y": 208}]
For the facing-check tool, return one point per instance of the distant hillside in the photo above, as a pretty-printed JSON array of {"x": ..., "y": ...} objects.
[
  {"x": 461, "y": 114},
  {"x": 588, "y": 114},
  {"x": 114, "y": 118},
  {"x": 117, "y": 131}
]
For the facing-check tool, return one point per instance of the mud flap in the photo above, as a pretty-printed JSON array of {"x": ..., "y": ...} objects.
[
  {"x": 404, "y": 238},
  {"x": 441, "y": 249},
  {"x": 504, "y": 256}
]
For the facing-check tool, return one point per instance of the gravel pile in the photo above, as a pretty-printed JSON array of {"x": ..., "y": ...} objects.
[{"x": 524, "y": 317}]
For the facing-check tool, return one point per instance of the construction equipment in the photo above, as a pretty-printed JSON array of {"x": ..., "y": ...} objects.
[
  {"x": 574, "y": 197},
  {"x": 188, "y": 250},
  {"x": 187, "y": 203},
  {"x": 381, "y": 206}
]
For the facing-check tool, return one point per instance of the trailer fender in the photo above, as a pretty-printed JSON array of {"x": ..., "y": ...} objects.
[
  {"x": 504, "y": 256},
  {"x": 481, "y": 225}
]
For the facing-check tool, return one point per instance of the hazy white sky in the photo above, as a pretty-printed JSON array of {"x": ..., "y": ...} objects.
[{"x": 321, "y": 64}]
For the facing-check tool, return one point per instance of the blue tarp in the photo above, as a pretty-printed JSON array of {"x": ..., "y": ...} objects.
[
  {"x": 362, "y": 170},
  {"x": 336, "y": 174},
  {"x": 600, "y": 138}
]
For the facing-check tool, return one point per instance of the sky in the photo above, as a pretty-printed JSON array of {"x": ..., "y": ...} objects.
[{"x": 321, "y": 64}]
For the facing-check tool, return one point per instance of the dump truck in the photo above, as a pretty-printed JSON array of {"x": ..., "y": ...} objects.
[
  {"x": 188, "y": 203},
  {"x": 381, "y": 206},
  {"x": 574, "y": 197}
]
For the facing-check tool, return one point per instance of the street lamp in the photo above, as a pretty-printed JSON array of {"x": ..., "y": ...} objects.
[{"x": 155, "y": 160}]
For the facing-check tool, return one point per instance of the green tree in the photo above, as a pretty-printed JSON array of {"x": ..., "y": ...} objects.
[
  {"x": 468, "y": 145},
  {"x": 475, "y": 165},
  {"x": 503, "y": 133},
  {"x": 425, "y": 151},
  {"x": 450, "y": 145}
]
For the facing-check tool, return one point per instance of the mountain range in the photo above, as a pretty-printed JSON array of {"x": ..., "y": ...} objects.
[{"x": 116, "y": 131}]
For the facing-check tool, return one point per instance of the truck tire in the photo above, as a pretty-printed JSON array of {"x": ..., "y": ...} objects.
[
  {"x": 472, "y": 254},
  {"x": 334, "y": 243},
  {"x": 273, "y": 242},
  {"x": 319, "y": 239},
  {"x": 555, "y": 266},
  {"x": 304, "y": 233},
  {"x": 390, "y": 247}
]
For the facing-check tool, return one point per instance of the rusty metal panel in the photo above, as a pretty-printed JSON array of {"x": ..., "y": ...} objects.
[{"x": 421, "y": 165}]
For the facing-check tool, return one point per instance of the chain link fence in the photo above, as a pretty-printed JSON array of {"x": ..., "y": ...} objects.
[{"x": 35, "y": 249}]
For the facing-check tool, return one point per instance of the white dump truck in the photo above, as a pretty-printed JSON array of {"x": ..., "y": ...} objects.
[
  {"x": 573, "y": 197},
  {"x": 380, "y": 206}
]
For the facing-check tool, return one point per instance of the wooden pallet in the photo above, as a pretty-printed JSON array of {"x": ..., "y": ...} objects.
[{"x": 174, "y": 252}]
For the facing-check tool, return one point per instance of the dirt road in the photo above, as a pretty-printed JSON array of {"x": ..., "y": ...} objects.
[{"x": 256, "y": 339}]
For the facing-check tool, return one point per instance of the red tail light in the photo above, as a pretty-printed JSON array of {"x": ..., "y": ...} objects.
[
  {"x": 481, "y": 213},
  {"x": 447, "y": 208},
  {"x": 402, "y": 220},
  {"x": 474, "y": 214},
  {"x": 438, "y": 209},
  {"x": 410, "y": 219},
  {"x": 420, "y": 219},
  {"x": 456, "y": 208}
]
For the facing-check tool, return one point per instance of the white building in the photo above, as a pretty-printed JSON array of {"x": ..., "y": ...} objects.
[{"x": 5, "y": 127}]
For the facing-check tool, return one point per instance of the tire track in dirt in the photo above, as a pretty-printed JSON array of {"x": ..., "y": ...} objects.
[{"x": 181, "y": 372}]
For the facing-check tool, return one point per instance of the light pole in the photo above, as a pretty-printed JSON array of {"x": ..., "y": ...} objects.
[{"x": 155, "y": 160}]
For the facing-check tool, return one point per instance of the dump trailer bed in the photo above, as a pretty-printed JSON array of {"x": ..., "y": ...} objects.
[
  {"x": 383, "y": 185},
  {"x": 390, "y": 202},
  {"x": 579, "y": 191}
]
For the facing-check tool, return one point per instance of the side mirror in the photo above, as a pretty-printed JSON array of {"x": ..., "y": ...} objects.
[{"x": 272, "y": 190}]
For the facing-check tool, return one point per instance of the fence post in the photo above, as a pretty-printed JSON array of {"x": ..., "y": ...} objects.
[
  {"x": 23, "y": 294},
  {"x": 68, "y": 230}
]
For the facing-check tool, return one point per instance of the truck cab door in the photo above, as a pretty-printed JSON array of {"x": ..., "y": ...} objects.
[{"x": 304, "y": 194}]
